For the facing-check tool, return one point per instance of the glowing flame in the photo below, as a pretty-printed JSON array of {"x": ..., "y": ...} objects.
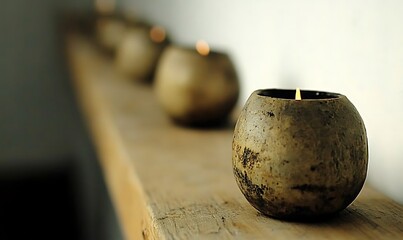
[
  {"x": 105, "y": 6},
  {"x": 202, "y": 47},
  {"x": 298, "y": 94},
  {"x": 157, "y": 34}
]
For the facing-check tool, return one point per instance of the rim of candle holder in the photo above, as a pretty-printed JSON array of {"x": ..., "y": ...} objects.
[
  {"x": 192, "y": 49},
  {"x": 289, "y": 94}
]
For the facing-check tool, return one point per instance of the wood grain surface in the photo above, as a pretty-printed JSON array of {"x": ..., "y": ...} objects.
[{"x": 170, "y": 182}]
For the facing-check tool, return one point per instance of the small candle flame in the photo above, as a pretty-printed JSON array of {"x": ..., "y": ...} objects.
[
  {"x": 202, "y": 47},
  {"x": 105, "y": 6},
  {"x": 157, "y": 34},
  {"x": 298, "y": 94}
]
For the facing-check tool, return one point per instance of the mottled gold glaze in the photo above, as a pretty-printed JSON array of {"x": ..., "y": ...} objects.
[
  {"x": 195, "y": 89},
  {"x": 299, "y": 159}
]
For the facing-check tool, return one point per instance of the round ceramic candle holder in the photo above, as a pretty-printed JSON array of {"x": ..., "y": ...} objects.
[
  {"x": 195, "y": 89},
  {"x": 138, "y": 53},
  {"x": 110, "y": 30},
  {"x": 299, "y": 160}
]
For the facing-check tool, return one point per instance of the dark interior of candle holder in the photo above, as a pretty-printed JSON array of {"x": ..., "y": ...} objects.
[{"x": 290, "y": 94}]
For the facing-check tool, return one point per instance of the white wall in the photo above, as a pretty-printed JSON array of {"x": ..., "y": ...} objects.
[{"x": 351, "y": 47}]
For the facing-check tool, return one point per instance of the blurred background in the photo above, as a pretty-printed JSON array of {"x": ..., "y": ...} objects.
[
  {"x": 51, "y": 186},
  {"x": 50, "y": 181}
]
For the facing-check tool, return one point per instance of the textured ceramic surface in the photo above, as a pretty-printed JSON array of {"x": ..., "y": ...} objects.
[
  {"x": 137, "y": 55},
  {"x": 195, "y": 89},
  {"x": 299, "y": 159}
]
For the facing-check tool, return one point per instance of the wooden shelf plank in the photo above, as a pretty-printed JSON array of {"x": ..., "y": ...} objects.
[{"x": 170, "y": 182}]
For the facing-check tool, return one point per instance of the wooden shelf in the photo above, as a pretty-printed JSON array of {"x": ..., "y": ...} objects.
[{"x": 169, "y": 182}]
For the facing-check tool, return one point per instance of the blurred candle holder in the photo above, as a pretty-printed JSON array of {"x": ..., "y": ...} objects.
[
  {"x": 105, "y": 7},
  {"x": 196, "y": 87},
  {"x": 138, "y": 53},
  {"x": 110, "y": 30},
  {"x": 110, "y": 25},
  {"x": 299, "y": 156}
]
